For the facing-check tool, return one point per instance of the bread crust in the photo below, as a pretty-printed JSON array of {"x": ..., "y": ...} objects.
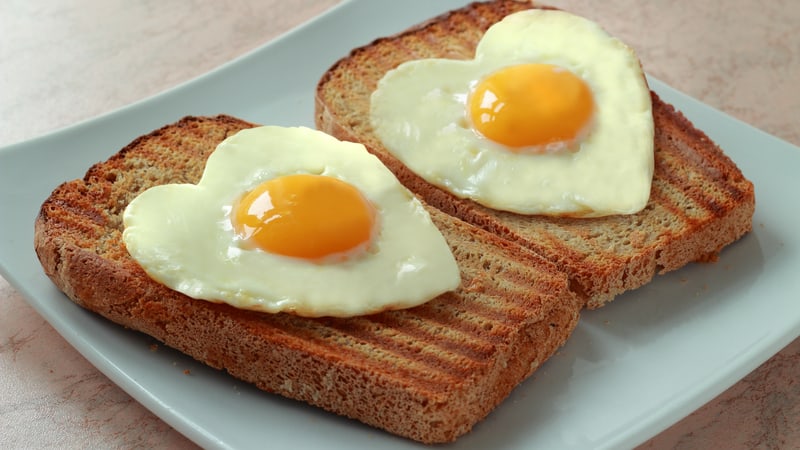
[
  {"x": 428, "y": 373},
  {"x": 700, "y": 202}
]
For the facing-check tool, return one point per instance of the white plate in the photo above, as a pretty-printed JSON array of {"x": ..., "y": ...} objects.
[{"x": 630, "y": 370}]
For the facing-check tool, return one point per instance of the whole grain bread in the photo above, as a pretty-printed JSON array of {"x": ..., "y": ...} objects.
[
  {"x": 699, "y": 202},
  {"x": 428, "y": 373}
]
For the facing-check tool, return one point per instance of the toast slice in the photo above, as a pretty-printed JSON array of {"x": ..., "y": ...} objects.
[
  {"x": 699, "y": 202},
  {"x": 428, "y": 373}
]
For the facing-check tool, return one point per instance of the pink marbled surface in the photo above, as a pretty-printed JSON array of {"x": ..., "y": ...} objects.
[{"x": 62, "y": 62}]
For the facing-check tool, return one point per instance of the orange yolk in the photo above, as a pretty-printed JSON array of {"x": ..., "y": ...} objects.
[
  {"x": 531, "y": 105},
  {"x": 305, "y": 216}
]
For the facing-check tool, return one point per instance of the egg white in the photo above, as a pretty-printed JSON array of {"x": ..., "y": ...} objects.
[
  {"x": 182, "y": 236},
  {"x": 418, "y": 112}
]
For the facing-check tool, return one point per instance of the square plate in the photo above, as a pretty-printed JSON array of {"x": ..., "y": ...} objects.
[{"x": 630, "y": 370}]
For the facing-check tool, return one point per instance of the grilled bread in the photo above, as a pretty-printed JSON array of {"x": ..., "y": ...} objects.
[
  {"x": 699, "y": 202},
  {"x": 428, "y": 373}
]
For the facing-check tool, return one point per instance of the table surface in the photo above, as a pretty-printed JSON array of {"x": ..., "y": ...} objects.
[{"x": 62, "y": 62}]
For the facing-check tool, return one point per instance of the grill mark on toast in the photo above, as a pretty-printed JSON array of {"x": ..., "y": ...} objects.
[
  {"x": 402, "y": 336},
  {"x": 367, "y": 343},
  {"x": 698, "y": 197},
  {"x": 354, "y": 339},
  {"x": 707, "y": 189},
  {"x": 456, "y": 340},
  {"x": 479, "y": 327},
  {"x": 674, "y": 194},
  {"x": 540, "y": 240},
  {"x": 715, "y": 167},
  {"x": 709, "y": 153},
  {"x": 400, "y": 348},
  {"x": 466, "y": 325},
  {"x": 316, "y": 340}
]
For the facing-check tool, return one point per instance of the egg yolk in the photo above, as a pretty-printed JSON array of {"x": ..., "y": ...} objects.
[
  {"x": 306, "y": 216},
  {"x": 531, "y": 105}
]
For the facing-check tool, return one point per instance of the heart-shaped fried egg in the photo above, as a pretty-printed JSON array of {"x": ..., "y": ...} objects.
[
  {"x": 552, "y": 116},
  {"x": 294, "y": 220}
]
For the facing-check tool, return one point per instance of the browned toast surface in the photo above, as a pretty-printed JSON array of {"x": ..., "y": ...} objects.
[
  {"x": 428, "y": 373},
  {"x": 699, "y": 202}
]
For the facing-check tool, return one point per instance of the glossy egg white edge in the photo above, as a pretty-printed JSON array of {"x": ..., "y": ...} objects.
[
  {"x": 418, "y": 112},
  {"x": 182, "y": 236}
]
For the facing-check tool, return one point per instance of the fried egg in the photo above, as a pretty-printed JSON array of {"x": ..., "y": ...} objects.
[
  {"x": 552, "y": 116},
  {"x": 293, "y": 220}
]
